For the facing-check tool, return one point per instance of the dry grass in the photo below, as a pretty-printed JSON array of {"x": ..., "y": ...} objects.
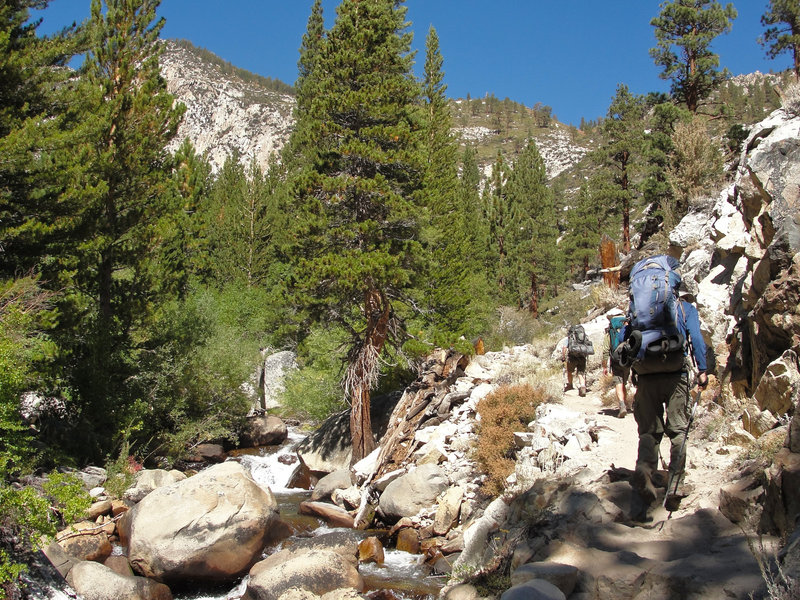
[
  {"x": 765, "y": 447},
  {"x": 508, "y": 409}
]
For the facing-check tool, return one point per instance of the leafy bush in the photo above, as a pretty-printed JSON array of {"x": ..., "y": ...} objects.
[
  {"x": 513, "y": 327},
  {"x": 697, "y": 166},
  {"x": 504, "y": 411},
  {"x": 24, "y": 309},
  {"x": 27, "y": 514},
  {"x": 314, "y": 391}
]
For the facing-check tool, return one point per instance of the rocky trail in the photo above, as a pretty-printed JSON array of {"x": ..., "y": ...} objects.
[{"x": 693, "y": 552}]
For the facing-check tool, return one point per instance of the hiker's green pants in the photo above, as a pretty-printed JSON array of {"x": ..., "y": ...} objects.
[{"x": 654, "y": 393}]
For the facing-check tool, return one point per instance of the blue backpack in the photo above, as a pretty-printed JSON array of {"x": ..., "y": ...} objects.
[
  {"x": 615, "y": 325},
  {"x": 656, "y": 344}
]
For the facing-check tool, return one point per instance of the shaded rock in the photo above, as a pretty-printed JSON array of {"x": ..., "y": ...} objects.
[
  {"x": 533, "y": 589},
  {"x": 264, "y": 430},
  {"x": 210, "y": 527},
  {"x": 92, "y": 477},
  {"x": 85, "y": 541},
  {"x": 318, "y": 572},
  {"x": 59, "y": 558},
  {"x": 339, "y": 479},
  {"x": 564, "y": 577},
  {"x": 328, "y": 448},
  {"x": 207, "y": 453},
  {"x": 94, "y": 581},
  {"x": 408, "y": 540},
  {"x": 740, "y": 500},
  {"x": 120, "y": 565}
]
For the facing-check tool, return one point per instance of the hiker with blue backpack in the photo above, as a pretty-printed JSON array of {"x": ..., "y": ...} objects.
[
  {"x": 619, "y": 372},
  {"x": 664, "y": 348}
]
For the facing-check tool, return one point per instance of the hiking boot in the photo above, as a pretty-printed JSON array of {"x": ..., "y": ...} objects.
[
  {"x": 622, "y": 411},
  {"x": 582, "y": 392},
  {"x": 568, "y": 387},
  {"x": 643, "y": 485}
]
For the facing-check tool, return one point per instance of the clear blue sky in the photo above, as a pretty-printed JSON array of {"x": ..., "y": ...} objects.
[{"x": 567, "y": 54}]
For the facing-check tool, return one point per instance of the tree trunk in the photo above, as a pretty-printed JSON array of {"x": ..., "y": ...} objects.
[
  {"x": 534, "y": 303},
  {"x": 609, "y": 260},
  {"x": 362, "y": 372}
]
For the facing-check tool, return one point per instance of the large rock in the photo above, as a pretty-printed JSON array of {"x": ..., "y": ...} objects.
[
  {"x": 412, "y": 492},
  {"x": 94, "y": 581},
  {"x": 210, "y": 527},
  {"x": 318, "y": 572},
  {"x": 780, "y": 385},
  {"x": 338, "y": 480},
  {"x": 264, "y": 430},
  {"x": 148, "y": 480},
  {"x": 85, "y": 541}
]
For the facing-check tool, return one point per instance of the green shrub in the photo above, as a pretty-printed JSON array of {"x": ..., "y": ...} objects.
[
  {"x": 504, "y": 411},
  {"x": 314, "y": 391},
  {"x": 27, "y": 514}
]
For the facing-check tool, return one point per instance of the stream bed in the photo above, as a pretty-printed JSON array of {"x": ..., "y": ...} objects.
[{"x": 402, "y": 575}]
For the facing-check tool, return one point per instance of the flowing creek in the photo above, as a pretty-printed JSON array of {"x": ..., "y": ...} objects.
[{"x": 403, "y": 575}]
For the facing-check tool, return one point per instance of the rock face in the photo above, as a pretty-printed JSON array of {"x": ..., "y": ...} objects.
[
  {"x": 210, "y": 527},
  {"x": 225, "y": 114},
  {"x": 739, "y": 254}
]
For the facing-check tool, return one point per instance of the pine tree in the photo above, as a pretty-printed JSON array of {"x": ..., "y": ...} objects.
[
  {"x": 658, "y": 153},
  {"x": 123, "y": 193},
  {"x": 355, "y": 226},
  {"x": 495, "y": 206},
  {"x": 37, "y": 121},
  {"x": 685, "y": 30},
  {"x": 182, "y": 232},
  {"x": 448, "y": 230},
  {"x": 623, "y": 133},
  {"x": 782, "y": 33},
  {"x": 533, "y": 230},
  {"x": 587, "y": 221}
]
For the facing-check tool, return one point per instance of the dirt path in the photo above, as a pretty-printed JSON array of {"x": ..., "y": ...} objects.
[{"x": 709, "y": 465}]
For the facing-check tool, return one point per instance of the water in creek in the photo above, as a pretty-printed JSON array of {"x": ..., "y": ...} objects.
[{"x": 403, "y": 574}]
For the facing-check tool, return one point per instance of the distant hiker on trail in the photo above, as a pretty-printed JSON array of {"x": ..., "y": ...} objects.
[
  {"x": 619, "y": 372},
  {"x": 663, "y": 344},
  {"x": 573, "y": 354}
]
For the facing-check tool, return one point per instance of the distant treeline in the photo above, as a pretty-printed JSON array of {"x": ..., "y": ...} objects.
[{"x": 275, "y": 85}]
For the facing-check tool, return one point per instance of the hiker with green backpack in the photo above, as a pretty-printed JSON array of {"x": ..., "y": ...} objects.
[
  {"x": 619, "y": 372},
  {"x": 664, "y": 348}
]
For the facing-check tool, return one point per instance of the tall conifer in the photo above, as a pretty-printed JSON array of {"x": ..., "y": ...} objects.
[
  {"x": 620, "y": 154},
  {"x": 533, "y": 259},
  {"x": 782, "y": 33},
  {"x": 123, "y": 193},
  {"x": 355, "y": 214},
  {"x": 684, "y": 32}
]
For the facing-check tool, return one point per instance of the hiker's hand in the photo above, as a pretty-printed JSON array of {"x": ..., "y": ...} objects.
[
  {"x": 605, "y": 370},
  {"x": 702, "y": 380}
]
